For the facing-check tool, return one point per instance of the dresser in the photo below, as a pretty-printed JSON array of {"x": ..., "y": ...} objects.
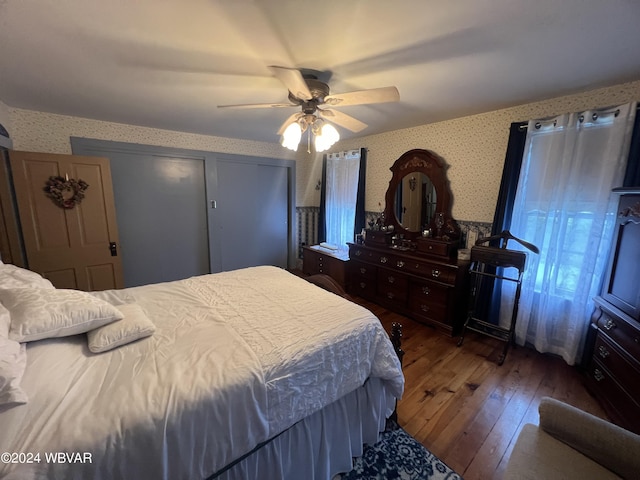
[
  {"x": 408, "y": 261},
  {"x": 428, "y": 289},
  {"x": 612, "y": 352},
  {"x": 316, "y": 259}
]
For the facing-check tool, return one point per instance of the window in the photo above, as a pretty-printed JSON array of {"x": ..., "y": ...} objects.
[{"x": 342, "y": 199}]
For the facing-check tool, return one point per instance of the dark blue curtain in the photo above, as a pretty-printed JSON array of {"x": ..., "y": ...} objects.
[
  {"x": 322, "y": 227},
  {"x": 632, "y": 174},
  {"x": 510, "y": 176},
  {"x": 360, "y": 221},
  {"x": 487, "y": 305}
]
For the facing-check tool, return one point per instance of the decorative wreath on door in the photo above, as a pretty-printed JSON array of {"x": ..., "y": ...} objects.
[{"x": 65, "y": 192}]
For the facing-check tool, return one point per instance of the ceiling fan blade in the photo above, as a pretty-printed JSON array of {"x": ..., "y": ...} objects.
[
  {"x": 293, "y": 80},
  {"x": 342, "y": 119},
  {"x": 259, "y": 105},
  {"x": 363, "y": 97},
  {"x": 289, "y": 121}
]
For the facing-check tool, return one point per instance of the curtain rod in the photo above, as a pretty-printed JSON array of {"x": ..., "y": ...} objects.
[{"x": 524, "y": 126}]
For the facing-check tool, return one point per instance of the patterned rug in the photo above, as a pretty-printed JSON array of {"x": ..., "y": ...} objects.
[{"x": 398, "y": 455}]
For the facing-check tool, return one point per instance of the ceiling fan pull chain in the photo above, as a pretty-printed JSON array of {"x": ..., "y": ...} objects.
[{"x": 308, "y": 140}]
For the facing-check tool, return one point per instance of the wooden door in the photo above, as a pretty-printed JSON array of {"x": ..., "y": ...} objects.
[{"x": 72, "y": 247}]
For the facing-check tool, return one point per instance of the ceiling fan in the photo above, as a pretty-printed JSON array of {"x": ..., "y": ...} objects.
[{"x": 309, "y": 93}]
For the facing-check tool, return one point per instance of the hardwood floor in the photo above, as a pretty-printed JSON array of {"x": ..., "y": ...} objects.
[{"x": 465, "y": 408}]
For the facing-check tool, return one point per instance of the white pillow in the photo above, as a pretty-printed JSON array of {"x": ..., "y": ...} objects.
[
  {"x": 13, "y": 360},
  {"x": 38, "y": 313},
  {"x": 16, "y": 277},
  {"x": 134, "y": 326}
]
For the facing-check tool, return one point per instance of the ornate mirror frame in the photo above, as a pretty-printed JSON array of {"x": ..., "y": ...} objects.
[{"x": 433, "y": 166}]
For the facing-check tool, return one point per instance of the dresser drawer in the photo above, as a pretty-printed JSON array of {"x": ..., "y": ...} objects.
[
  {"x": 433, "y": 271},
  {"x": 626, "y": 410},
  {"x": 429, "y": 292},
  {"x": 357, "y": 252},
  {"x": 392, "y": 295},
  {"x": 435, "y": 247},
  {"x": 364, "y": 287},
  {"x": 421, "y": 308},
  {"x": 621, "y": 332},
  {"x": 362, "y": 270},
  {"x": 377, "y": 237},
  {"x": 392, "y": 279},
  {"x": 618, "y": 365}
]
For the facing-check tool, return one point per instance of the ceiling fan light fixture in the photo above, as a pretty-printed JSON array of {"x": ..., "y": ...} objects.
[
  {"x": 291, "y": 136},
  {"x": 326, "y": 136}
]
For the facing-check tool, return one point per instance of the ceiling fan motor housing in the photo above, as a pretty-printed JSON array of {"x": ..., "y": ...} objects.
[{"x": 318, "y": 90}]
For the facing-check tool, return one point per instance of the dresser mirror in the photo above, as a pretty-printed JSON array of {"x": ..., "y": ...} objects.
[
  {"x": 415, "y": 201},
  {"x": 419, "y": 197}
]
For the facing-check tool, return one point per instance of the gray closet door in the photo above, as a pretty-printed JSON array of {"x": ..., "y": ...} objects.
[
  {"x": 250, "y": 221},
  {"x": 164, "y": 203},
  {"x": 160, "y": 204}
]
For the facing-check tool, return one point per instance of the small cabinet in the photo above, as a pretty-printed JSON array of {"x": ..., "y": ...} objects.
[{"x": 317, "y": 259}]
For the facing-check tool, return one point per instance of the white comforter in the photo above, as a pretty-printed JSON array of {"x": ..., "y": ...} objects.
[{"x": 237, "y": 358}]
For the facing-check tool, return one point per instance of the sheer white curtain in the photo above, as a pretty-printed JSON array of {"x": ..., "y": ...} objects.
[
  {"x": 342, "y": 171},
  {"x": 564, "y": 206}
]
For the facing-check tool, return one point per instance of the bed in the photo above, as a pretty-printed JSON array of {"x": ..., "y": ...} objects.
[{"x": 253, "y": 373}]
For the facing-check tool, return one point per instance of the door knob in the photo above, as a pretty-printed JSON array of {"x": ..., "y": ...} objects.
[{"x": 113, "y": 248}]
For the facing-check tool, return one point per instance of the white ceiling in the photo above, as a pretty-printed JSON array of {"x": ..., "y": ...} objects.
[{"x": 169, "y": 63}]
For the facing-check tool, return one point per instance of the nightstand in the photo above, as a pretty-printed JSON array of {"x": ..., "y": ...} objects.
[{"x": 317, "y": 259}]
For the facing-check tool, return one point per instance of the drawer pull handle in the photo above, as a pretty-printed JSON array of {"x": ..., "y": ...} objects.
[
  {"x": 363, "y": 285},
  {"x": 417, "y": 265},
  {"x": 609, "y": 325},
  {"x": 435, "y": 273},
  {"x": 603, "y": 352},
  {"x": 363, "y": 270},
  {"x": 426, "y": 290},
  {"x": 358, "y": 253},
  {"x": 430, "y": 247},
  {"x": 391, "y": 279},
  {"x": 400, "y": 264},
  {"x": 390, "y": 296},
  {"x": 598, "y": 375},
  {"x": 424, "y": 308},
  {"x": 384, "y": 259}
]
